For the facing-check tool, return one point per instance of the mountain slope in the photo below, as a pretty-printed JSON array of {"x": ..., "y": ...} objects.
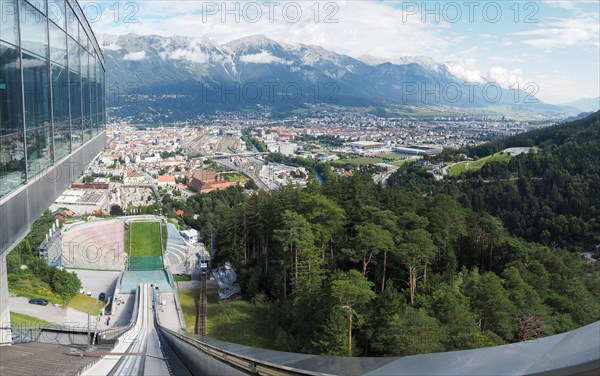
[{"x": 188, "y": 76}]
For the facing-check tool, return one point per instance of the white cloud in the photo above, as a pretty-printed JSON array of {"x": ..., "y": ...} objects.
[
  {"x": 354, "y": 33},
  {"x": 564, "y": 4},
  {"x": 193, "y": 56},
  {"x": 559, "y": 33},
  {"x": 465, "y": 74},
  {"x": 262, "y": 58},
  {"x": 506, "y": 78},
  {"x": 135, "y": 56}
]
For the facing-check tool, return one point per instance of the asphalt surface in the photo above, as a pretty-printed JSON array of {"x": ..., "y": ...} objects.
[
  {"x": 50, "y": 313},
  {"x": 97, "y": 281}
]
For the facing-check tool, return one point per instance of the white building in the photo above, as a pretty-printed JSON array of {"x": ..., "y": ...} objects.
[{"x": 191, "y": 236}]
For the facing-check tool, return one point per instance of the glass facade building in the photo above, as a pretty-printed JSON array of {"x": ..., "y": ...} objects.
[{"x": 51, "y": 87}]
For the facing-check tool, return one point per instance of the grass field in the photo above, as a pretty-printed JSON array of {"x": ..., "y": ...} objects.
[
  {"x": 18, "y": 319},
  {"x": 182, "y": 277},
  {"x": 392, "y": 156},
  {"x": 234, "y": 177},
  {"x": 358, "y": 161},
  {"x": 83, "y": 303},
  {"x": 187, "y": 298},
  {"x": 144, "y": 239},
  {"x": 462, "y": 167},
  {"x": 237, "y": 321}
]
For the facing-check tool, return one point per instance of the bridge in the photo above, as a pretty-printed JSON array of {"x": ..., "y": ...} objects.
[{"x": 154, "y": 344}]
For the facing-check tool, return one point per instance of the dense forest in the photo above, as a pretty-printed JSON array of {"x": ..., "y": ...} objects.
[
  {"x": 551, "y": 196},
  {"x": 351, "y": 267}
]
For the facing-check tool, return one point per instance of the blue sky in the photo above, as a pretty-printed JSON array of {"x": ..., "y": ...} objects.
[{"x": 553, "y": 44}]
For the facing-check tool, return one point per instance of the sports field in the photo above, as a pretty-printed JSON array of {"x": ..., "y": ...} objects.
[{"x": 145, "y": 239}]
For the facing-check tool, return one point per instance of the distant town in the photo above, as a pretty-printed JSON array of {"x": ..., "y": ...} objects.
[{"x": 142, "y": 164}]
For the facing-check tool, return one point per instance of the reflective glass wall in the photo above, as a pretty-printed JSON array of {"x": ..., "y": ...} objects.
[{"x": 51, "y": 86}]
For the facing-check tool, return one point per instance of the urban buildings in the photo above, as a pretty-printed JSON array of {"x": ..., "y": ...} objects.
[{"x": 52, "y": 113}]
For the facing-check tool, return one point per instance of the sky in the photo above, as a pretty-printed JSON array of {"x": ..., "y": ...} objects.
[{"x": 549, "y": 48}]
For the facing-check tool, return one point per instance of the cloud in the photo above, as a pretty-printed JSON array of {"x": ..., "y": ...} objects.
[
  {"x": 564, "y": 4},
  {"x": 192, "y": 56},
  {"x": 344, "y": 26},
  {"x": 506, "y": 78},
  {"x": 135, "y": 56},
  {"x": 465, "y": 74},
  {"x": 262, "y": 58},
  {"x": 560, "y": 33}
]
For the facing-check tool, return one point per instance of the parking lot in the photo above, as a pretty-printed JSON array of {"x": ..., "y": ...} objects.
[{"x": 97, "y": 281}]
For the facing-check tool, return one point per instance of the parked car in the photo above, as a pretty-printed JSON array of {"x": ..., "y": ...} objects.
[
  {"x": 38, "y": 301},
  {"x": 102, "y": 296},
  {"x": 89, "y": 293}
]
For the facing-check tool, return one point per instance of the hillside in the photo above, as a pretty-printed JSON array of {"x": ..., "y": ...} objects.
[
  {"x": 551, "y": 197},
  {"x": 158, "y": 78}
]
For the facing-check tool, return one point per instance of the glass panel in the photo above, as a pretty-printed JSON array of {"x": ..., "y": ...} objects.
[
  {"x": 60, "y": 101},
  {"x": 12, "y": 162},
  {"x": 11, "y": 110},
  {"x": 60, "y": 91},
  {"x": 85, "y": 95},
  {"x": 39, "y": 150},
  {"x": 34, "y": 33},
  {"x": 58, "y": 45},
  {"x": 72, "y": 24},
  {"x": 56, "y": 12},
  {"x": 102, "y": 100},
  {"x": 93, "y": 98},
  {"x": 36, "y": 90},
  {"x": 9, "y": 30},
  {"x": 82, "y": 37},
  {"x": 39, "y": 4},
  {"x": 75, "y": 93}
]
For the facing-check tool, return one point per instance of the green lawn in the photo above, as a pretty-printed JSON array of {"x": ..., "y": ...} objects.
[
  {"x": 234, "y": 177},
  {"x": 358, "y": 161},
  {"x": 19, "y": 319},
  {"x": 188, "y": 297},
  {"x": 462, "y": 167},
  {"x": 392, "y": 156},
  {"x": 145, "y": 239},
  {"x": 237, "y": 321},
  {"x": 182, "y": 277},
  {"x": 83, "y": 303}
]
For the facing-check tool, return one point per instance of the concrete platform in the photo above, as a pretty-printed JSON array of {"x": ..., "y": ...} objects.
[{"x": 41, "y": 359}]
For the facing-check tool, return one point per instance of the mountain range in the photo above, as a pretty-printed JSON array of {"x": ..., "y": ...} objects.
[{"x": 185, "y": 76}]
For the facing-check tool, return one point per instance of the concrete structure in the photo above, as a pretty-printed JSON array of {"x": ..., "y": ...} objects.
[
  {"x": 191, "y": 236},
  {"x": 362, "y": 146},
  {"x": 418, "y": 150},
  {"x": 52, "y": 114}
]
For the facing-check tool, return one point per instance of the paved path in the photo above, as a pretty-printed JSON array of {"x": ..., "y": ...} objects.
[
  {"x": 50, "y": 313},
  {"x": 97, "y": 281},
  {"x": 167, "y": 313}
]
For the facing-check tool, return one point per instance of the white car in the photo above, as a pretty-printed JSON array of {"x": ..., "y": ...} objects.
[{"x": 89, "y": 293}]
